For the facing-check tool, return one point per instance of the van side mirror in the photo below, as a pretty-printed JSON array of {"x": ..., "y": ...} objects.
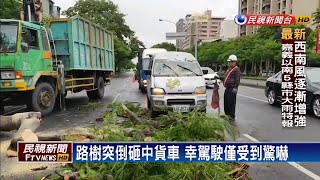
[
  {"x": 205, "y": 71},
  {"x": 148, "y": 72}
]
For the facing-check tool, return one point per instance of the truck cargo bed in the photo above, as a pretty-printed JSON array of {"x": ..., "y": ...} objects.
[{"x": 82, "y": 45}]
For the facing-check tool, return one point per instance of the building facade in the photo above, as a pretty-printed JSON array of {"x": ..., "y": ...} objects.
[
  {"x": 201, "y": 31},
  {"x": 56, "y": 12},
  {"x": 294, "y": 7},
  {"x": 180, "y": 28},
  {"x": 229, "y": 29},
  {"x": 49, "y": 9}
]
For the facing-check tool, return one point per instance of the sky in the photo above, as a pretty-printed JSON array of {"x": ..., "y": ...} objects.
[{"x": 143, "y": 15}]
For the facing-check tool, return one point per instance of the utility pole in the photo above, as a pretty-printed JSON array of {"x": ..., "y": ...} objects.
[
  {"x": 175, "y": 28},
  {"x": 196, "y": 48}
]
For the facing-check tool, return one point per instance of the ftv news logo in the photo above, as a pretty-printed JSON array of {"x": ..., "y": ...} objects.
[{"x": 270, "y": 20}]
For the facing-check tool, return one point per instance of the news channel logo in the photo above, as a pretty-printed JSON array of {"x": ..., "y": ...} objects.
[{"x": 240, "y": 19}]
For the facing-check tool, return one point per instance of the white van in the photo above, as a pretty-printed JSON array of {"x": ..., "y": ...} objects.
[
  {"x": 152, "y": 51},
  {"x": 147, "y": 54},
  {"x": 175, "y": 83}
]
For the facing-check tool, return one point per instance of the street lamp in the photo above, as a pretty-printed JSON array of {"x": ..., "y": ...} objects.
[{"x": 171, "y": 23}]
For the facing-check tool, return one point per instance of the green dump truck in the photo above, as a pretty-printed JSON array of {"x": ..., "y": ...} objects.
[{"x": 40, "y": 65}]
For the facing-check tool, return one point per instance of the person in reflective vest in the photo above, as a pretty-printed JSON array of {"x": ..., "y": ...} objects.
[{"x": 231, "y": 83}]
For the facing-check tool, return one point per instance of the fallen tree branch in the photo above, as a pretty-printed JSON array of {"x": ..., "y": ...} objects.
[
  {"x": 46, "y": 177},
  {"x": 239, "y": 171},
  {"x": 39, "y": 168},
  {"x": 132, "y": 116},
  {"x": 61, "y": 137},
  {"x": 58, "y": 174},
  {"x": 20, "y": 121}
]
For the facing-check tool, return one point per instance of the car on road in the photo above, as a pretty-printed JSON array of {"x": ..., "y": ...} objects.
[
  {"x": 176, "y": 83},
  {"x": 210, "y": 76},
  {"x": 274, "y": 86}
]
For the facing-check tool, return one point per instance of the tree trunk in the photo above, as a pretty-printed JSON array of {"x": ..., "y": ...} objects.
[
  {"x": 260, "y": 68},
  {"x": 26, "y": 123},
  {"x": 245, "y": 68},
  {"x": 255, "y": 69},
  {"x": 20, "y": 121},
  {"x": 252, "y": 68}
]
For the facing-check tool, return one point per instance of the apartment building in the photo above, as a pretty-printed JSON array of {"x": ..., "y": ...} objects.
[
  {"x": 56, "y": 12},
  {"x": 294, "y": 7},
  {"x": 50, "y": 9},
  {"x": 203, "y": 31},
  {"x": 228, "y": 29},
  {"x": 180, "y": 28}
]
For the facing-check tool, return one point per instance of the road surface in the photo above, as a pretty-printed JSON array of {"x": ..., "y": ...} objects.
[{"x": 255, "y": 119}]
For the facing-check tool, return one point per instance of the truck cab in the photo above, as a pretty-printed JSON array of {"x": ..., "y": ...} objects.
[
  {"x": 25, "y": 58},
  {"x": 39, "y": 65},
  {"x": 143, "y": 65}
]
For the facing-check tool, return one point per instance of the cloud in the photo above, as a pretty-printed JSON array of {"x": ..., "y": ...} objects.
[{"x": 143, "y": 15}]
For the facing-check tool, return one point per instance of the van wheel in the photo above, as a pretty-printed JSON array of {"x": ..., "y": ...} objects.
[
  {"x": 154, "y": 114},
  {"x": 149, "y": 104},
  {"x": 42, "y": 99},
  {"x": 99, "y": 92},
  {"x": 144, "y": 90}
]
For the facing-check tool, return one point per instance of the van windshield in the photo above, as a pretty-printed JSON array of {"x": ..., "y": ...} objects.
[
  {"x": 8, "y": 38},
  {"x": 172, "y": 68}
]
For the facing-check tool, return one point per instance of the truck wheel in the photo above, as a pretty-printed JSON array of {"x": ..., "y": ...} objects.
[
  {"x": 99, "y": 92},
  {"x": 1, "y": 109},
  {"x": 43, "y": 98}
]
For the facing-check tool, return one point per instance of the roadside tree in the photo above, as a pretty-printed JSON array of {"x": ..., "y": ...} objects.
[
  {"x": 108, "y": 15},
  {"x": 165, "y": 45}
]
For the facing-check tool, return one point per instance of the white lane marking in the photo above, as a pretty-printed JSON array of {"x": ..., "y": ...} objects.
[
  {"x": 252, "y": 98},
  {"x": 250, "y": 138},
  {"x": 293, "y": 164},
  {"x": 116, "y": 98},
  {"x": 252, "y": 88}
]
